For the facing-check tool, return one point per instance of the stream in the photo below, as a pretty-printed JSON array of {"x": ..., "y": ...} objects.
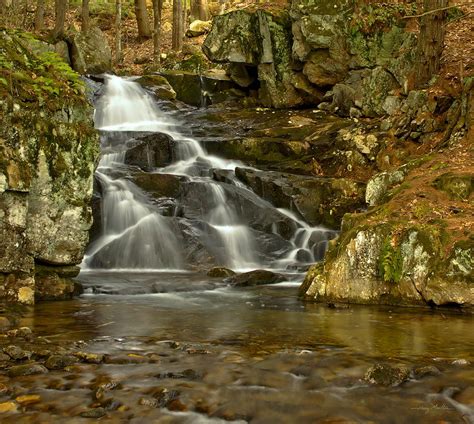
[{"x": 181, "y": 347}]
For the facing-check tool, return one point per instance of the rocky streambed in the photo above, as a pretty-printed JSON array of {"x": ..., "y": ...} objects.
[{"x": 199, "y": 352}]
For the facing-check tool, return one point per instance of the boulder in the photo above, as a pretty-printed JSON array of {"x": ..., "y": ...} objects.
[
  {"x": 261, "y": 39},
  {"x": 255, "y": 278},
  {"x": 367, "y": 266},
  {"x": 320, "y": 201},
  {"x": 159, "y": 85},
  {"x": 220, "y": 272},
  {"x": 159, "y": 185},
  {"x": 199, "y": 89},
  {"x": 197, "y": 28},
  {"x": 49, "y": 154},
  {"x": 387, "y": 375},
  {"x": 150, "y": 151},
  {"x": 90, "y": 52}
]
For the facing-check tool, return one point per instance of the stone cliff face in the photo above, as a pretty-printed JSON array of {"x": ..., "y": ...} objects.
[
  {"x": 415, "y": 245},
  {"x": 314, "y": 52},
  {"x": 48, "y": 155}
]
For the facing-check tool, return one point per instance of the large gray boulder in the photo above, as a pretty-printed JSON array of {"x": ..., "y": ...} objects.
[
  {"x": 46, "y": 174},
  {"x": 90, "y": 52}
]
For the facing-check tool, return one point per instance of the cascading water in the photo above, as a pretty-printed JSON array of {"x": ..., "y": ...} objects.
[{"x": 135, "y": 234}]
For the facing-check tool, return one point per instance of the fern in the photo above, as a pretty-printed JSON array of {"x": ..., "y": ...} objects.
[{"x": 390, "y": 262}]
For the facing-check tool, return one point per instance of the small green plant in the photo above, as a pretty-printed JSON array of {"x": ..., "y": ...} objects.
[{"x": 390, "y": 262}]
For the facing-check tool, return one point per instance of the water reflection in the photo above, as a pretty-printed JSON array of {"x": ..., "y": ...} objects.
[{"x": 260, "y": 318}]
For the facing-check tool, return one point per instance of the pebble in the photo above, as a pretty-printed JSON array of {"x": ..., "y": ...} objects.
[
  {"x": 17, "y": 353},
  {"x": 20, "y": 332},
  {"x": 461, "y": 362},
  {"x": 28, "y": 399},
  {"x": 149, "y": 402},
  {"x": 386, "y": 375},
  {"x": 58, "y": 362},
  {"x": 427, "y": 371},
  {"x": 8, "y": 407},
  {"x": 94, "y": 413},
  {"x": 28, "y": 369},
  {"x": 90, "y": 358}
]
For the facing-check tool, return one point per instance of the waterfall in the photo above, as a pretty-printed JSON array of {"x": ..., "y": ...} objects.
[{"x": 135, "y": 234}]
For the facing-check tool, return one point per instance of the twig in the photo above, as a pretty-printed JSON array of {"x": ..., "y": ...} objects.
[{"x": 429, "y": 12}]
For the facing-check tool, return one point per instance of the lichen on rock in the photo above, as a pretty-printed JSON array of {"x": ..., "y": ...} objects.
[{"x": 49, "y": 150}]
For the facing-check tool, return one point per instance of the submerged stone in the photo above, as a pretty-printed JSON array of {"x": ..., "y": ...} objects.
[
  {"x": 386, "y": 375},
  {"x": 255, "y": 278}
]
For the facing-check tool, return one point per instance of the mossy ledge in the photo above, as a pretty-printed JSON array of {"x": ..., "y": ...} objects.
[{"x": 48, "y": 153}]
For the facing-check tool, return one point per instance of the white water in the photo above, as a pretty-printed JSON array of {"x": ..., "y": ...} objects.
[{"x": 135, "y": 235}]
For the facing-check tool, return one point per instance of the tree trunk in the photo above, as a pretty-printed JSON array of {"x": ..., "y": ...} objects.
[
  {"x": 157, "y": 9},
  {"x": 142, "y": 19},
  {"x": 39, "y": 15},
  {"x": 118, "y": 31},
  {"x": 60, "y": 8},
  {"x": 177, "y": 41},
  {"x": 200, "y": 10},
  {"x": 430, "y": 41},
  {"x": 85, "y": 15},
  {"x": 203, "y": 9}
]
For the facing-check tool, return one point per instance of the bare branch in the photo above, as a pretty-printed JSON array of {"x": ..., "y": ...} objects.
[{"x": 441, "y": 9}]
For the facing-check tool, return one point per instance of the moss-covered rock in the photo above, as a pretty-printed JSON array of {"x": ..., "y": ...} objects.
[
  {"x": 48, "y": 155},
  {"x": 90, "y": 52},
  {"x": 414, "y": 247},
  {"x": 321, "y": 201},
  {"x": 262, "y": 39}
]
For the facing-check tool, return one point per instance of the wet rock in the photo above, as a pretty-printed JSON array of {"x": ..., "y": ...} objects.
[
  {"x": 149, "y": 402},
  {"x": 188, "y": 374},
  {"x": 159, "y": 85},
  {"x": 90, "y": 358},
  {"x": 111, "y": 404},
  {"x": 159, "y": 185},
  {"x": 428, "y": 371},
  {"x": 24, "y": 332},
  {"x": 90, "y": 52},
  {"x": 8, "y": 407},
  {"x": 255, "y": 278},
  {"x": 220, "y": 272},
  {"x": 165, "y": 396},
  {"x": 58, "y": 362},
  {"x": 321, "y": 201},
  {"x": 28, "y": 369},
  {"x": 150, "y": 151},
  {"x": 28, "y": 399},
  {"x": 461, "y": 362},
  {"x": 56, "y": 283},
  {"x": 17, "y": 353},
  {"x": 386, "y": 375},
  {"x": 94, "y": 413}
]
